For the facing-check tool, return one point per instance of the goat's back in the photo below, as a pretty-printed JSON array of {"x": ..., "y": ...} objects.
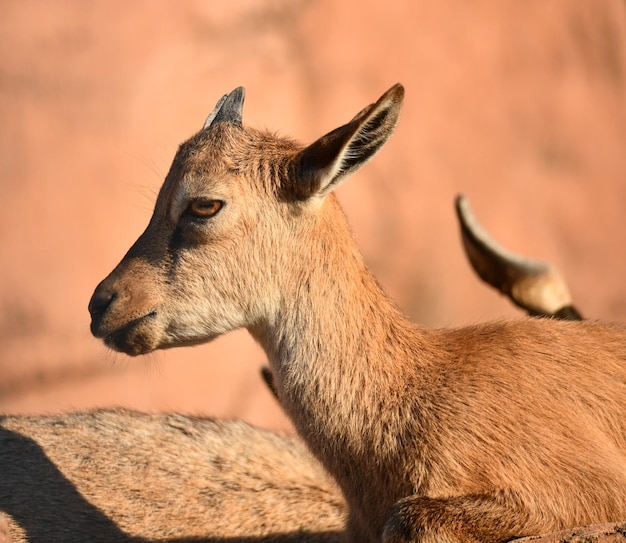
[{"x": 535, "y": 407}]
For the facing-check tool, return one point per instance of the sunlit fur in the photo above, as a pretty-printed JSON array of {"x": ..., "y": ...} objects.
[
  {"x": 126, "y": 477},
  {"x": 474, "y": 434}
]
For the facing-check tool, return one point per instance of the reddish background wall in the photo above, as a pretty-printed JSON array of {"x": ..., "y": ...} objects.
[{"x": 521, "y": 105}]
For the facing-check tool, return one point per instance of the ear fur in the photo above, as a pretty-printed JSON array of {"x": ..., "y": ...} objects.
[{"x": 325, "y": 163}]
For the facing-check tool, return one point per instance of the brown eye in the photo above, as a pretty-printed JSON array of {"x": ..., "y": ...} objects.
[{"x": 204, "y": 208}]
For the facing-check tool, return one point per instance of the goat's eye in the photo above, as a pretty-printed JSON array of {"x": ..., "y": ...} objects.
[{"x": 204, "y": 209}]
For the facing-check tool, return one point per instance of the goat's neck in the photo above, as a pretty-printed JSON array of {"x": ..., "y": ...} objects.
[{"x": 341, "y": 355}]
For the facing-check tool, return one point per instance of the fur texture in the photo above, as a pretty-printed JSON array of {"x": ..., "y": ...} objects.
[
  {"x": 477, "y": 434},
  {"x": 121, "y": 476}
]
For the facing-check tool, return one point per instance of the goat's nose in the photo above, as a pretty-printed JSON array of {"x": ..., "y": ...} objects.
[{"x": 100, "y": 301}]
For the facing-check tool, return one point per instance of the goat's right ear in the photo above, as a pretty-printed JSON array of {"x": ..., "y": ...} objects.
[{"x": 325, "y": 163}]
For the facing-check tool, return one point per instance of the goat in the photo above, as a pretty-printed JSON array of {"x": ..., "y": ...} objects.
[
  {"x": 121, "y": 476},
  {"x": 269, "y": 483},
  {"x": 114, "y": 475},
  {"x": 125, "y": 483},
  {"x": 482, "y": 433}
]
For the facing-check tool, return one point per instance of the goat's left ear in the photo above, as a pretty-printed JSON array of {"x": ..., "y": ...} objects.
[{"x": 329, "y": 160}]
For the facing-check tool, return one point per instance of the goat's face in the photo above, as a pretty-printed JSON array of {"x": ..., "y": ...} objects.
[
  {"x": 236, "y": 218},
  {"x": 201, "y": 267}
]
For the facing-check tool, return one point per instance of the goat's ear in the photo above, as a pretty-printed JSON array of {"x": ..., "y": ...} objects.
[
  {"x": 325, "y": 163},
  {"x": 228, "y": 109}
]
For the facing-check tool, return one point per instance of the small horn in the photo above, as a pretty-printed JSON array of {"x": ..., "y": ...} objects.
[{"x": 228, "y": 109}]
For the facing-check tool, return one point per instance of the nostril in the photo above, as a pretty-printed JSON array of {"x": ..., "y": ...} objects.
[{"x": 102, "y": 298}]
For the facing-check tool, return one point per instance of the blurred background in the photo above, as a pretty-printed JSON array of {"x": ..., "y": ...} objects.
[{"x": 520, "y": 105}]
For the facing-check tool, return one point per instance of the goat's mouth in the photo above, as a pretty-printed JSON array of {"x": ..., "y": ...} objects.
[{"x": 134, "y": 338}]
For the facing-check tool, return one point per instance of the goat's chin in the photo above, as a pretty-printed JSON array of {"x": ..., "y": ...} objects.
[
  {"x": 132, "y": 346},
  {"x": 155, "y": 331},
  {"x": 135, "y": 344},
  {"x": 140, "y": 336}
]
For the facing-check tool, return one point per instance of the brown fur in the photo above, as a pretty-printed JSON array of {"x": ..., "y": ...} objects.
[
  {"x": 477, "y": 434},
  {"x": 118, "y": 442},
  {"x": 122, "y": 476}
]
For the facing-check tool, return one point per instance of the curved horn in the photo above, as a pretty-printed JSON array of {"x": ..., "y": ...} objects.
[
  {"x": 533, "y": 285},
  {"x": 228, "y": 108}
]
